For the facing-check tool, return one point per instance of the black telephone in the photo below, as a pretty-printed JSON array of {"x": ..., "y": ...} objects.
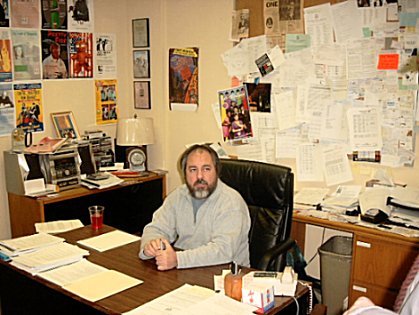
[{"x": 374, "y": 215}]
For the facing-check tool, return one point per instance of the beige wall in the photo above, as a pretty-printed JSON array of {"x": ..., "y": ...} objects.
[{"x": 173, "y": 23}]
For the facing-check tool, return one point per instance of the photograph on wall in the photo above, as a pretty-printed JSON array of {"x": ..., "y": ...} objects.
[
  {"x": 105, "y": 56},
  {"x": 141, "y": 60},
  {"x": 26, "y": 54},
  {"x": 7, "y": 110},
  {"x": 54, "y": 14},
  {"x": 65, "y": 125},
  {"x": 54, "y": 54},
  {"x": 80, "y": 48},
  {"x": 259, "y": 96},
  {"x": 142, "y": 98},
  {"x": 235, "y": 114},
  {"x": 140, "y": 33},
  {"x": 4, "y": 13},
  {"x": 29, "y": 107},
  {"x": 80, "y": 15},
  {"x": 183, "y": 78},
  {"x": 106, "y": 101},
  {"x": 25, "y": 13},
  {"x": 239, "y": 25},
  {"x": 5, "y": 57}
]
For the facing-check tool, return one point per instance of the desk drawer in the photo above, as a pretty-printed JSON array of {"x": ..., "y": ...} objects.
[
  {"x": 380, "y": 296},
  {"x": 381, "y": 262}
]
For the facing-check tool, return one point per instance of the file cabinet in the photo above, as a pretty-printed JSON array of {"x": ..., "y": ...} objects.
[{"x": 380, "y": 259}]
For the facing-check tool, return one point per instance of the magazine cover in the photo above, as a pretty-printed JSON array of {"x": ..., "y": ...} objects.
[
  {"x": 6, "y": 57},
  {"x": 29, "y": 108},
  {"x": 80, "y": 48},
  {"x": 54, "y": 14},
  {"x": 26, "y": 54},
  {"x": 106, "y": 101},
  {"x": 54, "y": 55},
  {"x": 80, "y": 15},
  {"x": 7, "y": 110},
  {"x": 183, "y": 78},
  {"x": 25, "y": 13},
  {"x": 235, "y": 115},
  {"x": 4, "y": 13}
]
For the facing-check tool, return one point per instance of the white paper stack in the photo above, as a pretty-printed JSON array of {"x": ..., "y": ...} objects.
[
  {"x": 26, "y": 244},
  {"x": 49, "y": 258}
]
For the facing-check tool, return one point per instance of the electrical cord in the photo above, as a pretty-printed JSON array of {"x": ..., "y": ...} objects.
[
  {"x": 297, "y": 305},
  {"x": 317, "y": 252},
  {"x": 310, "y": 296}
]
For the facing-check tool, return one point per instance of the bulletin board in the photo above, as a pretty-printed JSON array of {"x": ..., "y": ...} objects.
[
  {"x": 255, "y": 7},
  {"x": 396, "y": 138}
]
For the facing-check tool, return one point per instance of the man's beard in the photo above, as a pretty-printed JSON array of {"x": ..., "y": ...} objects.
[{"x": 201, "y": 192}]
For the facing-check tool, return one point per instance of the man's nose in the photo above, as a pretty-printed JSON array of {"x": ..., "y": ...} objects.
[{"x": 199, "y": 174}]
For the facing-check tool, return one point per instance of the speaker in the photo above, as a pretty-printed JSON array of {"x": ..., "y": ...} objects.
[
  {"x": 122, "y": 153},
  {"x": 88, "y": 163}
]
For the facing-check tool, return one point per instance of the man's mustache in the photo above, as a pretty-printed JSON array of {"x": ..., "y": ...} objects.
[{"x": 201, "y": 182}]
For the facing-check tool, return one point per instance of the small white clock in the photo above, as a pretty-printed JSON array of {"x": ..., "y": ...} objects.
[{"x": 136, "y": 159}]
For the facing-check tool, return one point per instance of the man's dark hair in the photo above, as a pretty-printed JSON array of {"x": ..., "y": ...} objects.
[{"x": 199, "y": 148}]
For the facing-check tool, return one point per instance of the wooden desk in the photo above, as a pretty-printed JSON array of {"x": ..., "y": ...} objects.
[
  {"x": 21, "y": 293},
  {"x": 380, "y": 260},
  {"x": 128, "y": 206}
]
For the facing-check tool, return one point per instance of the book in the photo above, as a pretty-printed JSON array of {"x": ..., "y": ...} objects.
[{"x": 47, "y": 145}]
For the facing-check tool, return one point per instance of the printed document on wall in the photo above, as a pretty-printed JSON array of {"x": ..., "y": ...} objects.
[
  {"x": 364, "y": 129},
  {"x": 336, "y": 165},
  {"x": 308, "y": 163}
]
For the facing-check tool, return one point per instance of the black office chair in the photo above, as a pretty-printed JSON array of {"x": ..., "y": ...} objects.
[{"x": 268, "y": 191}]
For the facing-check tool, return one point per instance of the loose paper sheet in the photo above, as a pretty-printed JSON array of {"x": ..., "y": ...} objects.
[
  {"x": 102, "y": 285},
  {"x": 109, "y": 240}
]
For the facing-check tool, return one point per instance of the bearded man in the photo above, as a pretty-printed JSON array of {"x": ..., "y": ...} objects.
[{"x": 206, "y": 221}]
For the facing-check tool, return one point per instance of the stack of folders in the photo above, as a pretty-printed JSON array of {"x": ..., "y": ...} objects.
[{"x": 40, "y": 252}]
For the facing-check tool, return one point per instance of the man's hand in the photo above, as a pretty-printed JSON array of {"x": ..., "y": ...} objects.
[
  {"x": 152, "y": 248},
  {"x": 165, "y": 258}
]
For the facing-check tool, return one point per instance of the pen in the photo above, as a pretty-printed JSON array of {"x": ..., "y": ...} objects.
[
  {"x": 90, "y": 183},
  {"x": 162, "y": 245},
  {"x": 4, "y": 257}
]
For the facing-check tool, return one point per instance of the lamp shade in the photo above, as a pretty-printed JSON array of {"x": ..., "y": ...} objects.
[{"x": 134, "y": 131}]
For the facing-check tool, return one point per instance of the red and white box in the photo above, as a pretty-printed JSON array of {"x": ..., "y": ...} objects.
[{"x": 260, "y": 295}]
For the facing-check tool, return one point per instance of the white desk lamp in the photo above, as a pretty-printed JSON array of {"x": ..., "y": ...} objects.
[{"x": 135, "y": 133}]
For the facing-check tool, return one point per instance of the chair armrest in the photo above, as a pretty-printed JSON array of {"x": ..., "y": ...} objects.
[{"x": 274, "y": 252}]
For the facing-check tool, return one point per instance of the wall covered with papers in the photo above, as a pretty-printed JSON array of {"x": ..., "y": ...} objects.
[{"x": 344, "y": 84}]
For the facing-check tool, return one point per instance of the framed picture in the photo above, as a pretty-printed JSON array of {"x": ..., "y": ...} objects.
[
  {"x": 140, "y": 33},
  {"x": 141, "y": 62},
  {"x": 65, "y": 125},
  {"x": 142, "y": 99}
]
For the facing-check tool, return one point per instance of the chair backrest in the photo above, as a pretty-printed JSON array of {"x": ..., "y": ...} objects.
[{"x": 268, "y": 191}]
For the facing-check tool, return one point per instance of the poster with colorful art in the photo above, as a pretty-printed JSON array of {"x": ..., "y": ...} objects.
[
  {"x": 54, "y": 14},
  {"x": 26, "y": 54},
  {"x": 80, "y": 49},
  {"x": 183, "y": 78},
  {"x": 54, "y": 54},
  {"x": 235, "y": 114},
  {"x": 4, "y": 13},
  {"x": 29, "y": 108},
  {"x": 7, "y": 110},
  {"x": 106, "y": 101},
  {"x": 6, "y": 57}
]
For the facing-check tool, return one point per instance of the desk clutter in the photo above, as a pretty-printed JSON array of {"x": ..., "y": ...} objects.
[
  {"x": 51, "y": 258},
  {"x": 62, "y": 164},
  {"x": 66, "y": 265},
  {"x": 389, "y": 208}
]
